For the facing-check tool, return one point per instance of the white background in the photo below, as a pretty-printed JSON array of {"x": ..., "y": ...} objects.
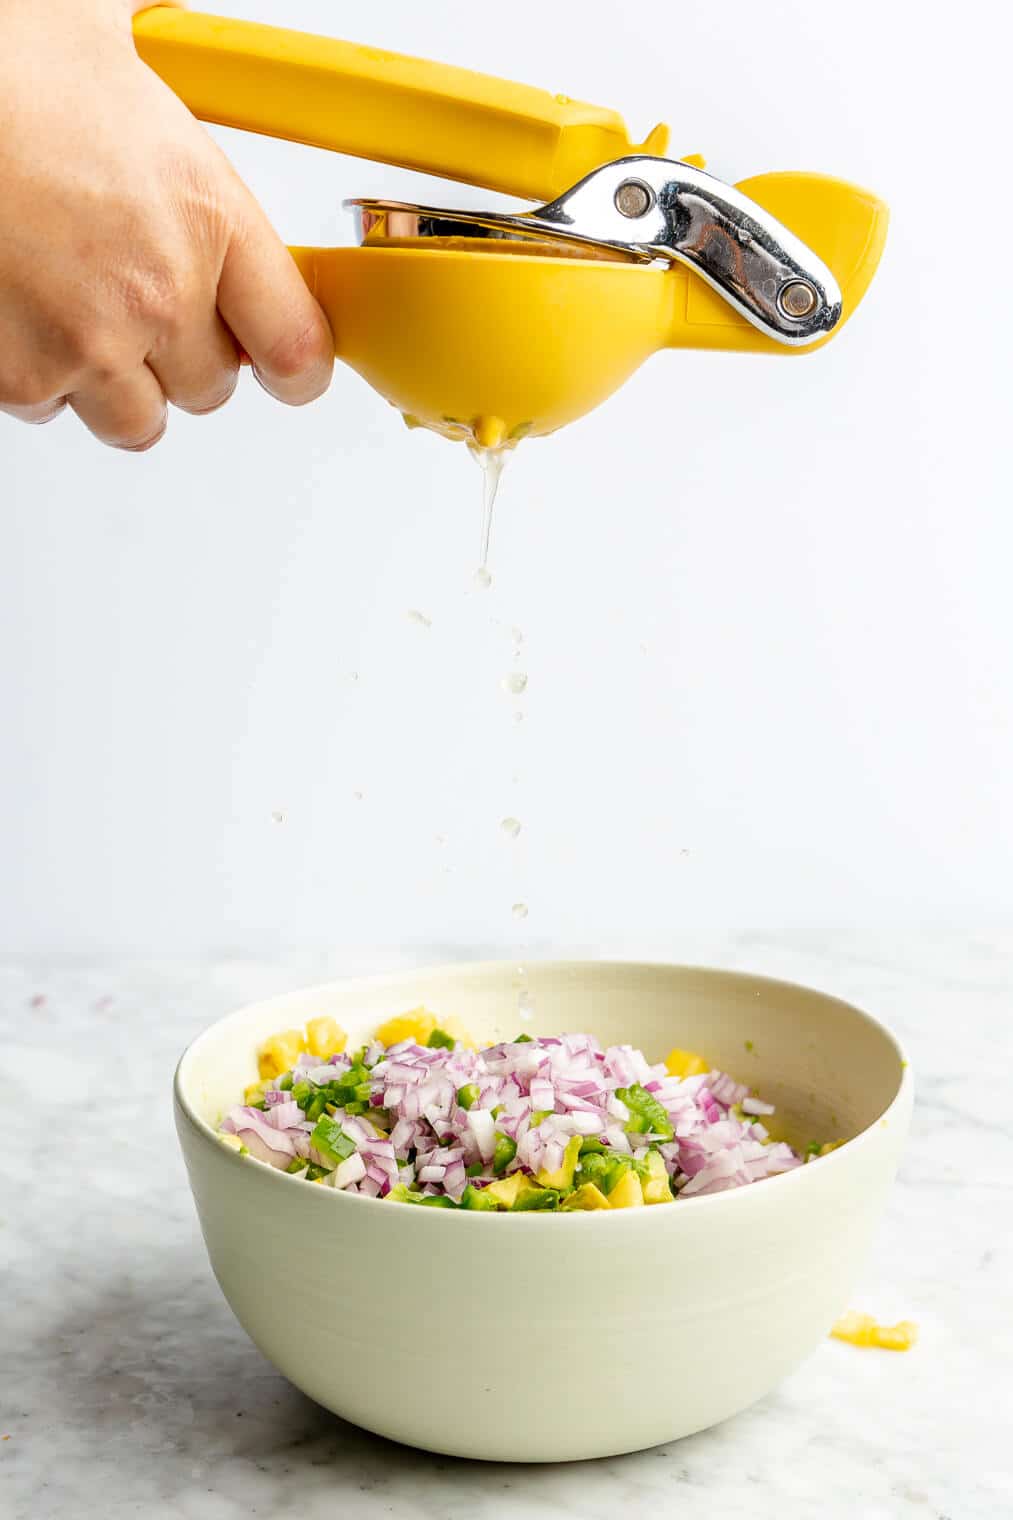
[{"x": 766, "y": 605}]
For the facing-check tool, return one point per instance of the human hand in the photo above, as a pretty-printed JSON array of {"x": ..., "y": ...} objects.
[{"x": 135, "y": 267}]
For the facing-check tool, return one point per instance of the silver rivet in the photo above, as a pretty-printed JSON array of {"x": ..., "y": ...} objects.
[
  {"x": 633, "y": 198},
  {"x": 798, "y": 299}
]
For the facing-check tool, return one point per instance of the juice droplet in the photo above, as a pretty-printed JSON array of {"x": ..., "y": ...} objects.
[
  {"x": 519, "y": 910},
  {"x": 354, "y": 675},
  {"x": 491, "y": 462},
  {"x": 441, "y": 839},
  {"x": 482, "y": 579},
  {"x": 357, "y": 796},
  {"x": 518, "y": 717},
  {"x": 525, "y": 1006},
  {"x": 517, "y": 636},
  {"x": 414, "y": 616},
  {"x": 510, "y": 826},
  {"x": 514, "y": 683},
  {"x": 277, "y": 816}
]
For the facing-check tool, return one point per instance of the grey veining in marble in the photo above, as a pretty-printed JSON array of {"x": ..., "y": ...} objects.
[{"x": 127, "y": 1389}]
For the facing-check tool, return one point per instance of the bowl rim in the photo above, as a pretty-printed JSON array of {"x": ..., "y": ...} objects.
[{"x": 900, "y": 1101}]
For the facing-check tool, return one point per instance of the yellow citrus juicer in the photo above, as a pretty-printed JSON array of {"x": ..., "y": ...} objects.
[{"x": 495, "y": 326}]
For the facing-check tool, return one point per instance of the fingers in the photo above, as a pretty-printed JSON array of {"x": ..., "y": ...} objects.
[
  {"x": 127, "y": 412},
  {"x": 268, "y": 306},
  {"x": 36, "y": 415},
  {"x": 199, "y": 370}
]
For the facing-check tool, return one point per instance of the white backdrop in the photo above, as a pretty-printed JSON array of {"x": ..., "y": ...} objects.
[{"x": 766, "y": 605}]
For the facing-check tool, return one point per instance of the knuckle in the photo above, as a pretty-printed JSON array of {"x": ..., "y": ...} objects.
[{"x": 304, "y": 348}]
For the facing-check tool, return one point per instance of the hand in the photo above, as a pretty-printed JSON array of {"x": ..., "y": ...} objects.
[{"x": 135, "y": 267}]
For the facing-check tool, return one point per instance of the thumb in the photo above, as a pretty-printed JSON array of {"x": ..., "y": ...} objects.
[{"x": 271, "y": 313}]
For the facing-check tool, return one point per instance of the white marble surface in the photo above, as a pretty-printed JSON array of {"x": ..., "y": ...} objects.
[{"x": 127, "y": 1388}]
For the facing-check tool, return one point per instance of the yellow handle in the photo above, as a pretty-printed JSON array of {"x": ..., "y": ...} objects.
[{"x": 383, "y": 106}]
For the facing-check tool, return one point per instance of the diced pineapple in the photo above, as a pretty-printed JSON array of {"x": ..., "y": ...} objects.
[
  {"x": 862, "y": 1330},
  {"x": 456, "y": 1030},
  {"x": 587, "y": 1196},
  {"x": 417, "y": 1025},
  {"x": 627, "y": 1193},
  {"x": 685, "y": 1063},
  {"x": 255, "y": 1092},
  {"x": 280, "y": 1053},
  {"x": 231, "y": 1142},
  {"x": 325, "y": 1037},
  {"x": 507, "y": 1190}
]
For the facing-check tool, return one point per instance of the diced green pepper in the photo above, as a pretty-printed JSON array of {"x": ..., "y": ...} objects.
[
  {"x": 402, "y": 1194},
  {"x": 302, "y": 1092},
  {"x": 285, "y": 1084},
  {"x": 646, "y": 1113},
  {"x": 506, "y": 1150},
  {"x": 331, "y": 1141},
  {"x": 467, "y": 1096},
  {"x": 538, "y": 1115},
  {"x": 523, "y": 1039},
  {"x": 437, "y": 1201},
  {"x": 440, "y": 1040},
  {"x": 474, "y": 1170}
]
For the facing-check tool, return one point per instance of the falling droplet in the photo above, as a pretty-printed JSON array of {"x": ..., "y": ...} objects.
[
  {"x": 525, "y": 1006},
  {"x": 277, "y": 816},
  {"x": 517, "y": 636},
  {"x": 483, "y": 580},
  {"x": 420, "y": 618},
  {"x": 519, "y": 910},
  {"x": 354, "y": 675},
  {"x": 511, "y": 826},
  {"x": 514, "y": 683},
  {"x": 643, "y": 649},
  {"x": 518, "y": 717},
  {"x": 441, "y": 839},
  {"x": 358, "y": 796}
]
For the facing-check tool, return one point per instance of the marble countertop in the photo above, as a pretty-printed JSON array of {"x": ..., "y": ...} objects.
[{"x": 128, "y": 1389}]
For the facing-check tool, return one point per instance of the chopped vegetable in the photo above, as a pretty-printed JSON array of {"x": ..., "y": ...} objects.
[
  {"x": 555, "y": 1124},
  {"x": 863, "y": 1330}
]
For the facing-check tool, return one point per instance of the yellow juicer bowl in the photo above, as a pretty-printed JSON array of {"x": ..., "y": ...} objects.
[{"x": 493, "y": 347}]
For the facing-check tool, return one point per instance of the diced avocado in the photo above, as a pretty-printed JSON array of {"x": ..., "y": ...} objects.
[
  {"x": 590, "y": 1145},
  {"x": 523, "y": 1039},
  {"x": 604, "y": 1170},
  {"x": 467, "y": 1095},
  {"x": 627, "y": 1193},
  {"x": 656, "y": 1188},
  {"x": 436, "y": 1201},
  {"x": 563, "y": 1177},
  {"x": 506, "y": 1150},
  {"x": 506, "y": 1191},
  {"x": 440, "y": 1040},
  {"x": 297, "y": 1164},
  {"x": 536, "y": 1198},
  {"x": 475, "y": 1198},
  {"x": 330, "y": 1140},
  {"x": 402, "y": 1194},
  {"x": 587, "y": 1196}
]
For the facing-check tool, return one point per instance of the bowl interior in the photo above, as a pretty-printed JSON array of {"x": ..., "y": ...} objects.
[{"x": 831, "y": 1070}]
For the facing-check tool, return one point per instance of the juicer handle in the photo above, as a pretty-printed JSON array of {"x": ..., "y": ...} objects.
[{"x": 383, "y": 106}]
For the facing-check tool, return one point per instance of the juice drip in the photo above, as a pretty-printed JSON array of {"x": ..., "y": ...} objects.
[{"x": 491, "y": 462}]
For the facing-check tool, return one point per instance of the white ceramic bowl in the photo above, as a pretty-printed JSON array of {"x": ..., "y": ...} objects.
[{"x": 537, "y": 1337}]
